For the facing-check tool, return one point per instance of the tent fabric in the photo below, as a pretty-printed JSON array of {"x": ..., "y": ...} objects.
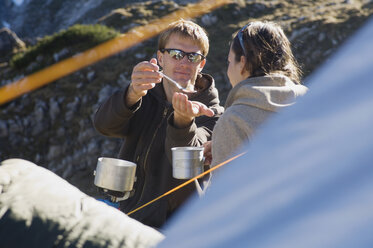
[
  {"x": 40, "y": 209},
  {"x": 307, "y": 177}
]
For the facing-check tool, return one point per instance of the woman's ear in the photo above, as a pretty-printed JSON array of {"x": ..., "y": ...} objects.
[
  {"x": 243, "y": 64},
  {"x": 245, "y": 67}
]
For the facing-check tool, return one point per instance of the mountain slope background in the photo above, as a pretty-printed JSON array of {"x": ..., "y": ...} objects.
[{"x": 52, "y": 126}]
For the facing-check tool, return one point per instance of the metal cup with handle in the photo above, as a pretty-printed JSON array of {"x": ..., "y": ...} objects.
[
  {"x": 187, "y": 162},
  {"x": 116, "y": 177}
]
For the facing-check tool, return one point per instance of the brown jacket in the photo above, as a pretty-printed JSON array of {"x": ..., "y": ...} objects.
[{"x": 148, "y": 136}]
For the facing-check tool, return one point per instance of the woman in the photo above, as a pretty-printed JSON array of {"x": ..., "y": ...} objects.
[{"x": 265, "y": 78}]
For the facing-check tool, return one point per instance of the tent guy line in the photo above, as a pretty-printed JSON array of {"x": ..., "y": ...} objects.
[{"x": 187, "y": 182}]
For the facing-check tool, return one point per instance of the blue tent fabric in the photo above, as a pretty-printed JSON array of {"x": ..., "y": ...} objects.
[{"x": 307, "y": 177}]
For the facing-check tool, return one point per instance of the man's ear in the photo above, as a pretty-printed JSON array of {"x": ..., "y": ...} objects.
[
  {"x": 201, "y": 65},
  {"x": 160, "y": 58}
]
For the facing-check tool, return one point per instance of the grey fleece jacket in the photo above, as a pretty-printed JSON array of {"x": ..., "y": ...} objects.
[{"x": 247, "y": 106}]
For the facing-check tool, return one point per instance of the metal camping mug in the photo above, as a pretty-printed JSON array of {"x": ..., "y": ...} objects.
[
  {"x": 115, "y": 174},
  {"x": 187, "y": 162}
]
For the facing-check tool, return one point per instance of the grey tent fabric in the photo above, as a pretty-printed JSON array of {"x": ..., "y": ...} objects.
[
  {"x": 40, "y": 209},
  {"x": 307, "y": 177}
]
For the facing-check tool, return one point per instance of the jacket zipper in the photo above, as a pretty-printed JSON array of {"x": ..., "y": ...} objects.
[
  {"x": 155, "y": 133},
  {"x": 164, "y": 114}
]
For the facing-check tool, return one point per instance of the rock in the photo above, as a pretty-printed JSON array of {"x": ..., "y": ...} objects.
[
  {"x": 15, "y": 126},
  {"x": 54, "y": 151},
  {"x": 54, "y": 109},
  {"x": 3, "y": 129},
  {"x": 105, "y": 92},
  {"x": 9, "y": 44},
  {"x": 39, "y": 122},
  {"x": 123, "y": 80},
  {"x": 208, "y": 20},
  {"x": 91, "y": 75},
  {"x": 72, "y": 109},
  {"x": 60, "y": 55}
]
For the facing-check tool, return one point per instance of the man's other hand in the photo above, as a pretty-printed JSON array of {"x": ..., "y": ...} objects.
[{"x": 185, "y": 111}]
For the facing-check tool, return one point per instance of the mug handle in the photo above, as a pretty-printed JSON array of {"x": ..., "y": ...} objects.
[{"x": 199, "y": 189}]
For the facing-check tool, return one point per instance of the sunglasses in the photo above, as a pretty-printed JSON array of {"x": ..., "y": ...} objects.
[
  {"x": 180, "y": 54},
  {"x": 240, "y": 38}
]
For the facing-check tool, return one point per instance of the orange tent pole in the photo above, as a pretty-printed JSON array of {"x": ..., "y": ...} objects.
[{"x": 106, "y": 49}]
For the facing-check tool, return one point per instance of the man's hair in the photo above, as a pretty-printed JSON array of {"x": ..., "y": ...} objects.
[
  {"x": 267, "y": 50},
  {"x": 189, "y": 30}
]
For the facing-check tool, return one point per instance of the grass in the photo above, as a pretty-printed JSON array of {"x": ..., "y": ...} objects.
[{"x": 77, "y": 38}]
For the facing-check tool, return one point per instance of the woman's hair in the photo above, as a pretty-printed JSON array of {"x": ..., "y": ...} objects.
[
  {"x": 267, "y": 50},
  {"x": 189, "y": 30}
]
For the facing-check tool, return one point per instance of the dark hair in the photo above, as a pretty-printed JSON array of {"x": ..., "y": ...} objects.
[{"x": 267, "y": 50}]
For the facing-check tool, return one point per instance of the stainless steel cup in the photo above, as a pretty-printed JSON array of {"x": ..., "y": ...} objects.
[
  {"x": 115, "y": 174},
  {"x": 187, "y": 162}
]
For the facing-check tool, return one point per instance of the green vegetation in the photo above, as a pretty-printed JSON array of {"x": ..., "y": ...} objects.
[{"x": 77, "y": 38}]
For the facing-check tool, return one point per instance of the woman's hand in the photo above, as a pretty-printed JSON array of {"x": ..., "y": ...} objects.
[{"x": 207, "y": 152}]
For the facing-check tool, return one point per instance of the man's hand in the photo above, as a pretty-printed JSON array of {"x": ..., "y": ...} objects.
[
  {"x": 144, "y": 77},
  {"x": 185, "y": 111},
  {"x": 207, "y": 152}
]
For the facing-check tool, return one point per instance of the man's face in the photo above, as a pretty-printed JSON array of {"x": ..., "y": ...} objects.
[{"x": 183, "y": 71}]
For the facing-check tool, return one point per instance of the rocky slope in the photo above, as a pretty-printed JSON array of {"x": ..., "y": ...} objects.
[
  {"x": 37, "y": 18},
  {"x": 52, "y": 126}
]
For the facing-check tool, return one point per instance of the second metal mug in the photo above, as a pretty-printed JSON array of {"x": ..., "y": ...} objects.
[{"x": 187, "y": 162}]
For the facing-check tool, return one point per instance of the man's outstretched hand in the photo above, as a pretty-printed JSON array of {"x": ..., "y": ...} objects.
[{"x": 144, "y": 77}]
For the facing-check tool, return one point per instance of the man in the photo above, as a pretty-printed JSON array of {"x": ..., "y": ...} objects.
[{"x": 152, "y": 116}]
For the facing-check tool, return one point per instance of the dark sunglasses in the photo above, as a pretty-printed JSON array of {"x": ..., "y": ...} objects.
[
  {"x": 180, "y": 54},
  {"x": 240, "y": 38}
]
